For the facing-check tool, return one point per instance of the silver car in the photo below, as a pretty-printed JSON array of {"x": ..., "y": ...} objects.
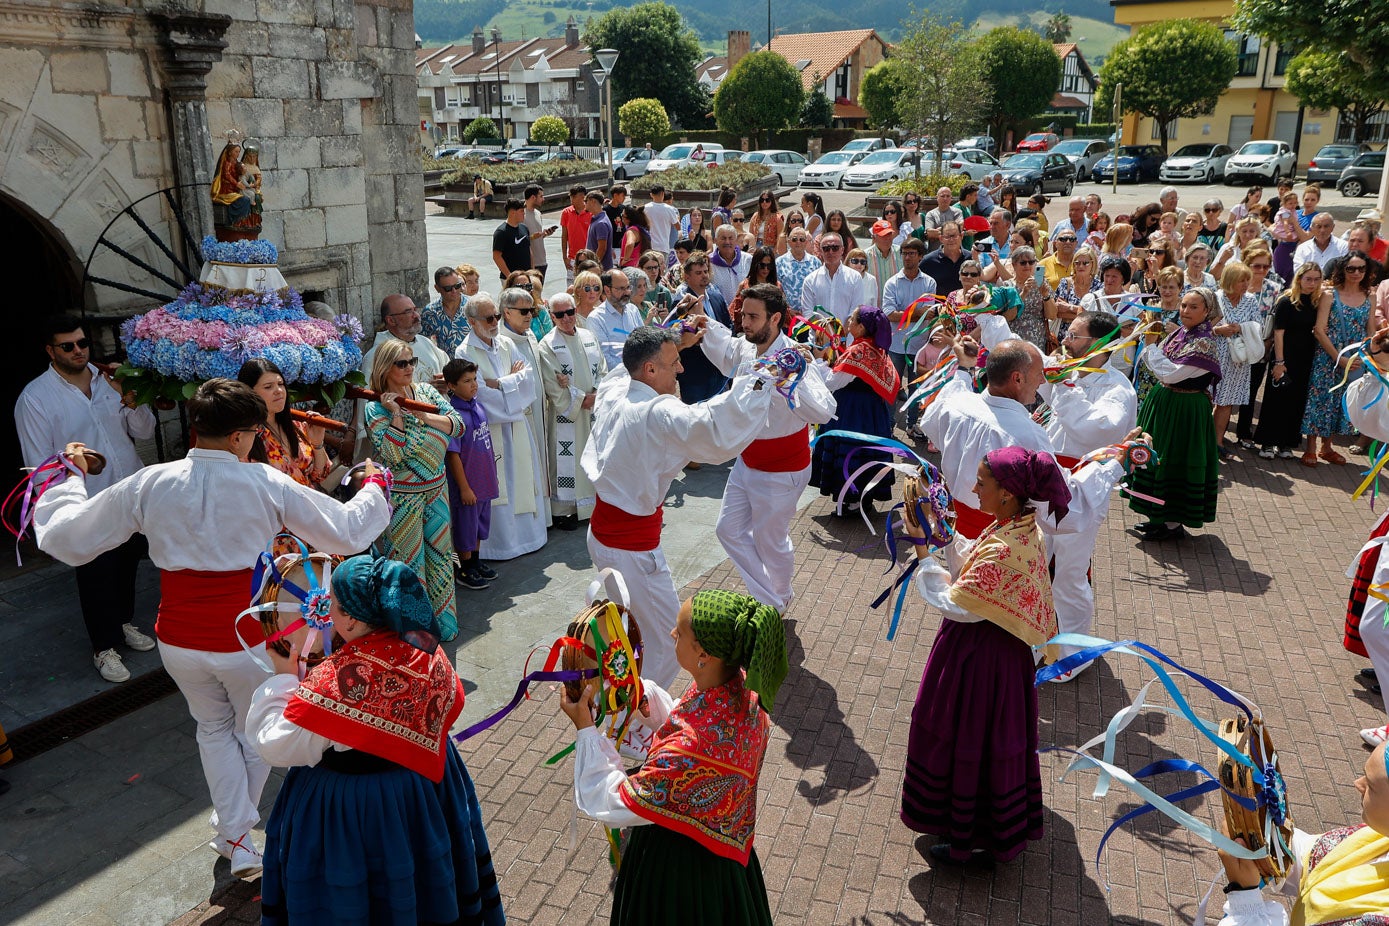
[
  {"x": 828, "y": 172},
  {"x": 1203, "y": 163},
  {"x": 1326, "y": 165},
  {"x": 1083, "y": 153},
  {"x": 974, "y": 163},
  {"x": 787, "y": 165}
]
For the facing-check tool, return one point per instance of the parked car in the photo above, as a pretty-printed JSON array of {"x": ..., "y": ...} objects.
[
  {"x": 1203, "y": 163},
  {"x": 1040, "y": 172},
  {"x": 720, "y": 156},
  {"x": 678, "y": 155},
  {"x": 1136, "y": 162},
  {"x": 974, "y": 163},
  {"x": 866, "y": 145},
  {"x": 491, "y": 157},
  {"x": 631, "y": 162},
  {"x": 879, "y": 168},
  {"x": 447, "y": 151},
  {"x": 786, "y": 164},
  {"x": 982, "y": 142},
  {"x": 1362, "y": 175},
  {"x": 828, "y": 171},
  {"x": 558, "y": 156},
  {"x": 1039, "y": 141},
  {"x": 1083, "y": 153},
  {"x": 1326, "y": 165},
  {"x": 1266, "y": 160},
  {"x": 525, "y": 155}
]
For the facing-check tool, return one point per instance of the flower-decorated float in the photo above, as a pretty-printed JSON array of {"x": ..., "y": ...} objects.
[{"x": 239, "y": 308}]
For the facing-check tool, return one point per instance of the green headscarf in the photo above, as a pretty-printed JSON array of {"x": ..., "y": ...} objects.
[
  {"x": 387, "y": 593},
  {"x": 741, "y": 630}
]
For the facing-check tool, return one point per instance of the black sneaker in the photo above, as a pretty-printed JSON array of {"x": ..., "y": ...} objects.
[
  {"x": 472, "y": 580},
  {"x": 482, "y": 569}
]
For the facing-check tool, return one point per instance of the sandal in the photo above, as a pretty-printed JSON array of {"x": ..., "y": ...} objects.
[
  {"x": 1332, "y": 457},
  {"x": 1309, "y": 458}
]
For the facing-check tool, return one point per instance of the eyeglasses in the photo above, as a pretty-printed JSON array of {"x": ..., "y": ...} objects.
[
  {"x": 646, "y": 267},
  {"x": 890, "y": 212},
  {"x": 591, "y": 289},
  {"x": 406, "y": 364},
  {"x": 1064, "y": 238},
  {"x": 565, "y": 314},
  {"x": 1355, "y": 268},
  {"x": 968, "y": 275},
  {"x": 858, "y": 261},
  {"x": 451, "y": 289},
  {"x": 1260, "y": 266},
  {"x": 831, "y": 247},
  {"x": 413, "y": 310},
  {"x": 68, "y": 347},
  {"x": 912, "y": 202},
  {"x": 737, "y": 219}
]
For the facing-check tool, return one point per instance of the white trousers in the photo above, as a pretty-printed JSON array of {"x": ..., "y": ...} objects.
[
  {"x": 218, "y": 689},
  {"x": 1071, "y": 592},
  {"x": 754, "y": 527},
  {"x": 655, "y": 603},
  {"x": 1373, "y": 633}
]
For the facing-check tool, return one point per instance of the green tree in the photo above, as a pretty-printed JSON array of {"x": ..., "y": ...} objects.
[
  {"x": 1328, "y": 80},
  {"x": 548, "y": 131},
  {"x": 762, "y": 92},
  {"x": 643, "y": 119},
  {"x": 481, "y": 127},
  {"x": 943, "y": 89},
  {"x": 659, "y": 52},
  {"x": 877, "y": 94},
  {"x": 1023, "y": 72},
  {"x": 818, "y": 111},
  {"x": 1176, "y": 69},
  {"x": 1359, "y": 30},
  {"x": 1057, "y": 28}
]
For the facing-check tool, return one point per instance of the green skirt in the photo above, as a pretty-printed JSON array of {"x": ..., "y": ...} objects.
[
  {"x": 1187, "y": 474},
  {"x": 668, "y": 878}
]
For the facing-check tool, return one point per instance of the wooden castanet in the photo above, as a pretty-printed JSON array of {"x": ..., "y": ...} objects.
[{"x": 357, "y": 392}]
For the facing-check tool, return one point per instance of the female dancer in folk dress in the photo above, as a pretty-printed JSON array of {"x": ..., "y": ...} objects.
[{"x": 414, "y": 444}]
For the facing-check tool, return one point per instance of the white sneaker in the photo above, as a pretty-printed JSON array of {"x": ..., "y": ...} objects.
[
  {"x": 1374, "y": 736},
  {"x": 135, "y": 639},
  {"x": 245, "y": 858},
  {"x": 108, "y": 663}
]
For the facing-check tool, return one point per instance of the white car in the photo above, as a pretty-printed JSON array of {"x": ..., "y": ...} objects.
[
  {"x": 974, "y": 163},
  {"x": 1203, "y": 163},
  {"x": 828, "y": 172},
  {"x": 1266, "y": 160},
  {"x": 679, "y": 155},
  {"x": 879, "y": 168},
  {"x": 787, "y": 165},
  {"x": 865, "y": 144},
  {"x": 630, "y": 162},
  {"x": 1083, "y": 153}
]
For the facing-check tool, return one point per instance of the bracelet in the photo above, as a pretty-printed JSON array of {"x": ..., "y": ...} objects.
[
  {"x": 1279, "y": 363},
  {"x": 315, "y": 446}
]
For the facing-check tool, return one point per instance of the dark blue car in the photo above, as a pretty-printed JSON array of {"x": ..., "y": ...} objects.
[{"x": 1136, "y": 162}]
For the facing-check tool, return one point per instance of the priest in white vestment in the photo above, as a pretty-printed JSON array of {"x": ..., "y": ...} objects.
[
  {"x": 508, "y": 388},
  {"x": 571, "y": 366}
]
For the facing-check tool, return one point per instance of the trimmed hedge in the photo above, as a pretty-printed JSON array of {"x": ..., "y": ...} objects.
[
  {"x": 925, "y": 186},
  {"x": 1096, "y": 129},
  {"x": 538, "y": 172},
  {"x": 793, "y": 139},
  {"x": 734, "y": 174}
]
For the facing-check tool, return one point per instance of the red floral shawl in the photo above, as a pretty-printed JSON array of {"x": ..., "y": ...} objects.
[
  {"x": 700, "y": 778},
  {"x": 871, "y": 364},
  {"x": 1004, "y": 579},
  {"x": 380, "y": 695}
]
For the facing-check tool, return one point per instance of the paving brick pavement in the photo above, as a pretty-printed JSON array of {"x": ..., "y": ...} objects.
[{"x": 1255, "y": 600}]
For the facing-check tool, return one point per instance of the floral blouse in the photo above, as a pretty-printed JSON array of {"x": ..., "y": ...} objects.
[{"x": 299, "y": 467}]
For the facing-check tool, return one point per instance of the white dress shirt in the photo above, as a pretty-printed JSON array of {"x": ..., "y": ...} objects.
[
  {"x": 1091, "y": 411},
  {"x": 431, "y": 358},
  {"x": 52, "y": 413},
  {"x": 642, "y": 440},
  {"x": 598, "y": 770},
  {"x": 611, "y": 325},
  {"x": 838, "y": 294},
  {"x": 208, "y": 511},
  {"x": 815, "y": 404},
  {"x": 1309, "y": 251}
]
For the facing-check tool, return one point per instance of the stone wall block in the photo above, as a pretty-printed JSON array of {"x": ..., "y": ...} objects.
[
  {"x": 272, "y": 227},
  {"x": 295, "y": 151},
  {"x": 305, "y": 42},
  {"x": 281, "y": 78},
  {"x": 314, "y": 117},
  {"x": 352, "y": 117},
  {"x": 336, "y": 186},
  {"x": 346, "y": 224},
  {"x": 261, "y": 118},
  {"x": 344, "y": 13},
  {"x": 409, "y": 197},
  {"x": 285, "y": 189},
  {"x": 246, "y": 37},
  {"x": 79, "y": 72},
  {"x": 121, "y": 117},
  {"x": 149, "y": 160},
  {"x": 381, "y": 197},
  {"x": 231, "y": 77},
  {"x": 20, "y": 69},
  {"x": 129, "y": 74},
  {"x": 347, "y": 80},
  {"x": 364, "y": 23},
  {"x": 342, "y": 44},
  {"x": 341, "y": 151},
  {"x": 278, "y": 11},
  {"x": 403, "y": 94},
  {"x": 305, "y": 229},
  {"x": 385, "y": 24}
]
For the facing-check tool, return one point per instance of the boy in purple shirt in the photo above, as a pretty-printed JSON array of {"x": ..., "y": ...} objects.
[{"x": 472, "y": 471}]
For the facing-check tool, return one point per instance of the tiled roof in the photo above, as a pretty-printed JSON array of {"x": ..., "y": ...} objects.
[
  {"x": 715, "y": 68},
  {"x": 555, "y": 52},
  {"x": 849, "y": 111},
  {"x": 1063, "y": 49},
  {"x": 822, "y": 52},
  {"x": 1064, "y": 101}
]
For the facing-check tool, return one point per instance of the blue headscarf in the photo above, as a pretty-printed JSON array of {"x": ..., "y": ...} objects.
[{"x": 387, "y": 593}]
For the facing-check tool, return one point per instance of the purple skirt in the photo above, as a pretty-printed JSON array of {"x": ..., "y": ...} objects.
[{"x": 973, "y": 775}]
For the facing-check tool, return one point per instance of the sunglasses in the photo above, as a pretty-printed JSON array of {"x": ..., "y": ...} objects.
[
  {"x": 831, "y": 247},
  {"x": 1065, "y": 238},
  {"x": 451, "y": 289},
  {"x": 737, "y": 219},
  {"x": 968, "y": 276},
  {"x": 765, "y": 199},
  {"x": 68, "y": 347},
  {"x": 858, "y": 260},
  {"x": 1210, "y": 210},
  {"x": 592, "y": 289},
  {"x": 1350, "y": 268},
  {"x": 529, "y": 311},
  {"x": 490, "y": 319},
  {"x": 406, "y": 364},
  {"x": 526, "y": 286},
  {"x": 764, "y": 265},
  {"x": 796, "y": 222},
  {"x": 565, "y": 314},
  {"x": 1260, "y": 266},
  {"x": 1025, "y": 263},
  {"x": 890, "y": 212},
  {"x": 912, "y": 202}
]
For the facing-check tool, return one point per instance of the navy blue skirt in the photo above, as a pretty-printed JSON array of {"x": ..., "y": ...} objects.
[
  {"x": 378, "y": 847},
  {"x": 859, "y": 409}
]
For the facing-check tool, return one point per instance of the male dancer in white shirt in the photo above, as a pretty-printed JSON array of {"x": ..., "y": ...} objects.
[{"x": 772, "y": 472}]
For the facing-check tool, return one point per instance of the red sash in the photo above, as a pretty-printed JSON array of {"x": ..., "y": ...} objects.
[
  {"x": 613, "y": 527},
  {"x": 197, "y": 610},
  {"x": 970, "y": 522},
  {"x": 789, "y": 454},
  {"x": 1067, "y": 463},
  {"x": 1365, "y": 569}
]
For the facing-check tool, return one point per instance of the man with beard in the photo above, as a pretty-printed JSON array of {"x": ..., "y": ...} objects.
[
  {"x": 401, "y": 320},
  {"x": 772, "y": 472},
  {"x": 700, "y": 379}
]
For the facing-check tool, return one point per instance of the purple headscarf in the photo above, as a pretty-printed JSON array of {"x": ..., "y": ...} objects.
[
  {"x": 875, "y": 325},
  {"x": 1032, "y": 476}
]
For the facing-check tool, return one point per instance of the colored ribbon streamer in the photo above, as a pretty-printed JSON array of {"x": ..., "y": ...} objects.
[
  {"x": 28, "y": 492},
  {"x": 786, "y": 368}
]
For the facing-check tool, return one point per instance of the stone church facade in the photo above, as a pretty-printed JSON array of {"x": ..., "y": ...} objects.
[{"x": 103, "y": 104}]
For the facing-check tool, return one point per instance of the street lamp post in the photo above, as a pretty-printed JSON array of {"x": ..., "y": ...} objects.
[
  {"x": 607, "y": 58},
  {"x": 497, "y": 60},
  {"x": 600, "y": 77}
]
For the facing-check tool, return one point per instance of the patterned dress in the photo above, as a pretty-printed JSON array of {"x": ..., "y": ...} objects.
[
  {"x": 1233, "y": 388},
  {"x": 1326, "y": 413},
  {"x": 300, "y": 468},
  {"x": 420, "y": 533}
]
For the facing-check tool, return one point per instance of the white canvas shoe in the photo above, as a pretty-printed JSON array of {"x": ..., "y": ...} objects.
[
  {"x": 1374, "y": 736},
  {"x": 137, "y": 640},
  {"x": 108, "y": 663},
  {"x": 245, "y": 858}
]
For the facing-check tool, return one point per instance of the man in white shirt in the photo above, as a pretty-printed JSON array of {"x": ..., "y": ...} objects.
[
  {"x": 729, "y": 264},
  {"x": 615, "y": 318},
  {"x": 664, "y": 220},
  {"x": 401, "y": 320},
  {"x": 834, "y": 288},
  {"x": 1089, "y": 410},
  {"x": 1323, "y": 247},
  {"x": 642, "y": 438},
  {"x": 70, "y": 402},
  {"x": 771, "y": 472}
]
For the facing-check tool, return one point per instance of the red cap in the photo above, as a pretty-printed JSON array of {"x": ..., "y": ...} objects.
[
  {"x": 976, "y": 223},
  {"x": 883, "y": 227}
]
